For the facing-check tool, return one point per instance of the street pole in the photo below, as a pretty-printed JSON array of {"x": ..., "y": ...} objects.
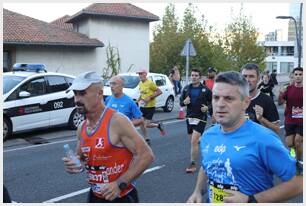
[
  {"x": 187, "y": 63},
  {"x": 297, "y": 33},
  {"x": 300, "y": 35},
  {"x": 297, "y": 42}
]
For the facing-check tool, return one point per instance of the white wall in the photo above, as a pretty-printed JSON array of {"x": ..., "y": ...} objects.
[
  {"x": 57, "y": 59},
  {"x": 130, "y": 37}
]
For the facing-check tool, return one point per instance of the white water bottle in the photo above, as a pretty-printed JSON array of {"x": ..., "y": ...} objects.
[{"x": 69, "y": 153}]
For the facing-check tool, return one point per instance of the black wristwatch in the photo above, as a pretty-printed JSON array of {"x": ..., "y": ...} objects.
[
  {"x": 252, "y": 199},
  {"x": 122, "y": 185}
]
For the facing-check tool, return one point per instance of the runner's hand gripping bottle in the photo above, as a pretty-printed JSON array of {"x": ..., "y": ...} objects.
[{"x": 69, "y": 153}]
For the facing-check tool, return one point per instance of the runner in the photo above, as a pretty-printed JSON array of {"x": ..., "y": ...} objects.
[
  {"x": 240, "y": 157},
  {"x": 123, "y": 103},
  {"x": 113, "y": 155},
  {"x": 265, "y": 86},
  {"x": 148, "y": 92},
  {"x": 197, "y": 98},
  {"x": 293, "y": 95},
  {"x": 262, "y": 109},
  {"x": 211, "y": 78}
]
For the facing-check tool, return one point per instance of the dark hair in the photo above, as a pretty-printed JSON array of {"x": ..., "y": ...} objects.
[
  {"x": 251, "y": 66},
  {"x": 236, "y": 79},
  {"x": 196, "y": 70},
  {"x": 297, "y": 69}
]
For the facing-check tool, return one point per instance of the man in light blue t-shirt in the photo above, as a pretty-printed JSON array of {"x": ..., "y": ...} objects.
[
  {"x": 123, "y": 103},
  {"x": 239, "y": 156}
]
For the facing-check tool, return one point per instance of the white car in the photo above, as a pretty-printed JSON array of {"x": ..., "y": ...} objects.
[
  {"x": 34, "y": 98},
  {"x": 131, "y": 88}
]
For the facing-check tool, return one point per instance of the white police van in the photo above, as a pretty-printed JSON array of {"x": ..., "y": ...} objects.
[{"x": 34, "y": 98}]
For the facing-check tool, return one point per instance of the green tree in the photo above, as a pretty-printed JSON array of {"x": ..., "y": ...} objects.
[
  {"x": 164, "y": 50},
  {"x": 240, "y": 43}
]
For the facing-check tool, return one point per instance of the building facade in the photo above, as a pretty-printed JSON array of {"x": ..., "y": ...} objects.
[{"x": 78, "y": 43}]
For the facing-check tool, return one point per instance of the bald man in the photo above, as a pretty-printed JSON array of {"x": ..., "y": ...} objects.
[{"x": 123, "y": 103}]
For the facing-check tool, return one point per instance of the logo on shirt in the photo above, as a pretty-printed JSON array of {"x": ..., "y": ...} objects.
[
  {"x": 220, "y": 148},
  {"x": 238, "y": 147},
  {"x": 205, "y": 150},
  {"x": 85, "y": 149},
  {"x": 100, "y": 143}
]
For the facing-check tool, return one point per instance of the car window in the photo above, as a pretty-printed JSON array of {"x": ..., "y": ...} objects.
[
  {"x": 56, "y": 84},
  {"x": 35, "y": 87},
  {"x": 130, "y": 81},
  {"x": 9, "y": 82},
  {"x": 160, "y": 81},
  {"x": 69, "y": 80}
]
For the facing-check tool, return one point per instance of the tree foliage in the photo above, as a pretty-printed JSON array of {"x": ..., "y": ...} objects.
[
  {"x": 240, "y": 43},
  {"x": 165, "y": 48},
  {"x": 237, "y": 47}
]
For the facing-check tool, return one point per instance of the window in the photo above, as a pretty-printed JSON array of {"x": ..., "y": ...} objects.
[
  {"x": 160, "y": 81},
  {"x": 69, "y": 81},
  {"x": 6, "y": 61},
  {"x": 35, "y": 87},
  {"x": 56, "y": 84},
  {"x": 271, "y": 65},
  {"x": 286, "y": 67}
]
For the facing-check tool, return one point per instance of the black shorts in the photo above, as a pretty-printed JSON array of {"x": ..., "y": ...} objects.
[
  {"x": 147, "y": 112},
  {"x": 131, "y": 197},
  {"x": 200, "y": 127},
  {"x": 293, "y": 129}
]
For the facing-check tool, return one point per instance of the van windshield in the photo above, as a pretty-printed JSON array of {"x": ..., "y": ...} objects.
[
  {"x": 9, "y": 82},
  {"x": 130, "y": 82}
]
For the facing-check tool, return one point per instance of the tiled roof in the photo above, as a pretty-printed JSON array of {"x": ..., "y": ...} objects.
[
  {"x": 19, "y": 29},
  {"x": 61, "y": 23},
  {"x": 119, "y": 10}
]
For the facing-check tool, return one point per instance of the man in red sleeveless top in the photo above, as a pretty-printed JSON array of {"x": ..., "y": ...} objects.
[
  {"x": 293, "y": 95},
  {"x": 209, "y": 82},
  {"x": 113, "y": 155}
]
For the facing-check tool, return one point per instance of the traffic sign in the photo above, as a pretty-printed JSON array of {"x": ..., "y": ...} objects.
[{"x": 188, "y": 49}]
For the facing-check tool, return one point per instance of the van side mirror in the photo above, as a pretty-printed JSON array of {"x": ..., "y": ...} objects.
[{"x": 24, "y": 94}]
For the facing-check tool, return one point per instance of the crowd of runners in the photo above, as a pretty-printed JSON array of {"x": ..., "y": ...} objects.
[{"x": 239, "y": 154}]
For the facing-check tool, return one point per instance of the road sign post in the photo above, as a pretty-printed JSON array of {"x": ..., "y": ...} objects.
[{"x": 187, "y": 51}]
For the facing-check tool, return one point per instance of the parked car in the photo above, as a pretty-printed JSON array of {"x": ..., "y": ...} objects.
[
  {"x": 131, "y": 88},
  {"x": 34, "y": 98}
]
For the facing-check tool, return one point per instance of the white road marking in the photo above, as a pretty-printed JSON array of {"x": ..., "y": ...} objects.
[
  {"x": 64, "y": 141},
  {"x": 39, "y": 145},
  {"x": 68, "y": 195},
  {"x": 56, "y": 199},
  {"x": 153, "y": 169}
]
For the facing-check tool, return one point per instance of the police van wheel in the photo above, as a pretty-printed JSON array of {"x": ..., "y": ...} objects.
[
  {"x": 7, "y": 128},
  {"x": 75, "y": 119}
]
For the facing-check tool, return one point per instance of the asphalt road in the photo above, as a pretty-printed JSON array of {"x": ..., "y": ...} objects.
[{"x": 34, "y": 173}]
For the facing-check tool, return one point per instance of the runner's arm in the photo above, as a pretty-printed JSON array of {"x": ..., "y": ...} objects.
[
  {"x": 200, "y": 188},
  {"x": 282, "y": 191},
  {"x": 272, "y": 125},
  {"x": 130, "y": 138}
]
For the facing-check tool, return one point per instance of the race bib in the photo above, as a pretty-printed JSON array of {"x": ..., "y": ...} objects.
[
  {"x": 297, "y": 112},
  {"x": 193, "y": 121},
  {"x": 216, "y": 192}
]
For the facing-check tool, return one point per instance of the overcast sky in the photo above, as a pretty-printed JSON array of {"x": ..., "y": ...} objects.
[{"x": 217, "y": 14}]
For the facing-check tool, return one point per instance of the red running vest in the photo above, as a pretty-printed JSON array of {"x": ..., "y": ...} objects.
[{"x": 104, "y": 162}]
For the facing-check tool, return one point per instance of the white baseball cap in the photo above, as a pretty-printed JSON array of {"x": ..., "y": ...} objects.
[{"x": 84, "y": 80}]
